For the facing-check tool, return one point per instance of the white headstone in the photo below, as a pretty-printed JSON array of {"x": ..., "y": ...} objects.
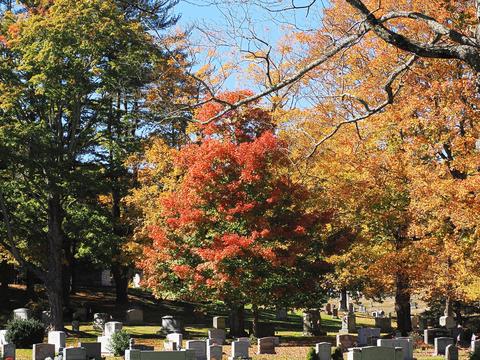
[
  {"x": 219, "y": 322},
  {"x": 3, "y": 337},
  {"x": 448, "y": 322},
  {"x": 136, "y": 280},
  {"x": 176, "y": 338},
  {"x": 475, "y": 345},
  {"x": 57, "y": 338},
  {"x": 112, "y": 327},
  {"x": 22, "y": 313}
]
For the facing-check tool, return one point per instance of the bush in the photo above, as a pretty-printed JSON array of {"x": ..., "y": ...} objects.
[
  {"x": 311, "y": 355},
  {"x": 25, "y": 333},
  {"x": 337, "y": 354},
  {"x": 119, "y": 342}
]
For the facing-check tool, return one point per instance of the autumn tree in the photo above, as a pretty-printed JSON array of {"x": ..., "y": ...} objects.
[{"x": 229, "y": 223}]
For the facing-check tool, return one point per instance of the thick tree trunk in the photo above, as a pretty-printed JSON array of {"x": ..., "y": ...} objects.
[
  {"x": 237, "y": 320},
  {"x": 120, "y": 275},
  {"x": 54, "y": 277},
  {"x": 402, "y": 305},
  {"x": 30, "y": 285},
  {"x": 344, "y": 300}
]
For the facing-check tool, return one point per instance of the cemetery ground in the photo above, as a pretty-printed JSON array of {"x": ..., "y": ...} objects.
[{"x": 198, "y": 317}]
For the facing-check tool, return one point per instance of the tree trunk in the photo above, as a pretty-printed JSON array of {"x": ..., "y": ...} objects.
[
  {"x": 237, "y": 320},
  {"x": 30, "y": 284},
  {"x": 54, "y": 277},
  {"x": 120, "y": 275},
  {"x": 402, "y": 305},
  {"x": 255, "y": 319},
  {"x": 344, "y": 300}
]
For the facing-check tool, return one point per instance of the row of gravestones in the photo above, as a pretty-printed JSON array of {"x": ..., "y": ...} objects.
[
  {"x": 371, "y": 336},
  {"x": 349, "y": 324}
]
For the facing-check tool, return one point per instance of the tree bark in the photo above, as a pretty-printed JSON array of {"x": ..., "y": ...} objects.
[
  {"x": 30, "y": 285},
  {"x": 120, "y": 275},
  {"x": 255, "y": 320},
  {"x": 237, "y": 320},
  {"x": 54, "y": 277},
  {"x": 344, "y": 300},
  {"x": 402, "y": 305}
]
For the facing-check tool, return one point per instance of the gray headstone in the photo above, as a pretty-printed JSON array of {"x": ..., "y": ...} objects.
[
  {"x": 405, "y": 343},
  {"x": 218, "y": 334},
  {"x": 349, "y": 324},
  {"x": 214, "y": 352},
  {"x": 323, "y": 350},
  {"x": 345, "y": 341},
  {"x": 74, "y": 353},
  {"x": 429, "y": 335},
  {"x": 134, "y": 317},
  {"x": 200, "y": 348},
  {"x": 266, "y": 345},
  {"x": 368, "y": 336},
  {"x": 42, "y": 351},
  {"x": 240, "y": 349},
  {"x": 383, "y": 323},
  {"x": 93, "y": 350},
  {"x": 171, "y": 324},
  {"x": 451, "y": 352},
  {"x": 441, "y": 344},
  {"x": 7, "y": 351}
]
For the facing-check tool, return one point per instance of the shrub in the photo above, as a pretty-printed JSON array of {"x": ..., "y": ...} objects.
[
  {"x": 337, "y": 354},
  {"x": 311, "y": 355},
  {"x": 25, "y": 333},
  {"x": 119, "y": 342}
]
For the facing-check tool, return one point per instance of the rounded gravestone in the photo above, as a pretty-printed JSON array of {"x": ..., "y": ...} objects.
[{"x": 171, "y": 324}]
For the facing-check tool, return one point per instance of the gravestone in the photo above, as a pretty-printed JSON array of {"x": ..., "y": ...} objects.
[
  {"x": 328, "y": 309},
  {"x": 80, "y": 314},
  {"x": 384, "y": 323},
  {"x": 265, "y": 329},
  {"x": 218, "y": 334},
  {"x": 323, "y": 350},
  {"x": 348, "y": 324},
  {"x": 200, "y": 348},
  {"x": 99, "y": 321},
  {"x": 335, "y": 313},
  {"x": 3, "y": 337},
  {"x": 246, "y": 339},
  {"x": 311, "y": 323},
  {"x": 57, "y": 338},
  {"x": 74, "y": 353},
  {"x": 136, "y": 281},
  {"x": 415, "y": 321},
  {"x": 171, "y": 324},
  {"x": 448, "y": 322},
  {"x": 281, "y": 313},
  {"x": 375, "y": 353},
  {"x": 159, "y": 355},
  {"x": 345, "y": 341},
  {"x": 22, "y": 314},
  {"x": 429, "y": 335},
  {"x": 46, "y": 317},
  {"x": 106, "y": 279},
  {"x": 75, "y": 326},
  {"x": 214, "y": 352},
  {"x": 451, "y": 352},
  {"x": 240, "y": 350},
  {"x": 7, "y": 351},
  {"x": 266, "y": 345},
  {"x": 440, "y": 344},
  {"x": 134, "y": 317},
  {"x": 405, "y": 343},
  {"x": 93, "y": 350},
  {"x": 43, "y": 351},
  {"x": 112, "y": 327},
  {"x": 351, "y": 308},
  {"x": 175, "y": 338},
  {"x": 475, "y": 345},
  {"x": 219, "y": 322},
  {"x": 368, "y": 336}
]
